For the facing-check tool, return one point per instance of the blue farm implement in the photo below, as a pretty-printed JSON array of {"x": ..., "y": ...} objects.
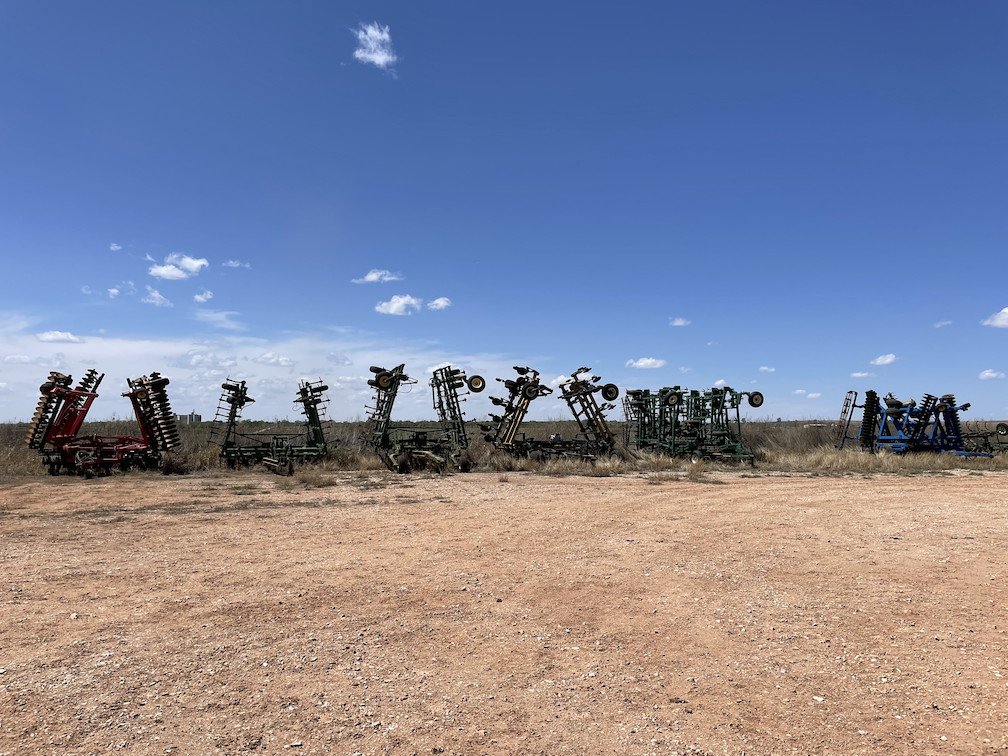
[
  {"x": 61, "y": 411},
  {"x": 899, "y": 426},
  {"x": 277, "y": 451},
  {"x": 692, "y": 424}
]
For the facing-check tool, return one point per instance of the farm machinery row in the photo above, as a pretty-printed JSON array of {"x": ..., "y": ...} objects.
[
  {"x": 62, "y": 408},
  {"x": 933, "y": 425},
  {"x": 689, "y": 423}
]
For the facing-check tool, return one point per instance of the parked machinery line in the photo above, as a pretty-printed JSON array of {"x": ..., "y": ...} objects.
[{"x": 61, "y": 412}]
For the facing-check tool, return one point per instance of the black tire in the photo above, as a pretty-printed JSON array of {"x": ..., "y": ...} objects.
[
  {"x": 610, "y": 391},
  {"x": 476, "y": 383},
  {"x": 530, "y": 391},
  {"x": 402, "y": 464},
  {"x": 384, "y": 380},
  {"x": 673, "y": 399},
  {"x": 755, "y": 399},
  {"x": 1001, "y": 429}
]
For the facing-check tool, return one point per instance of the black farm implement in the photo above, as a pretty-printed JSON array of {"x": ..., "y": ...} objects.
[
  {"x": 277, "y": 451},
  {"x": 61, "y": 411},
  {"x": 594, "y": 439},
  {"x": 689, "y": 423},
  {"x": 404, "y": 449},
  {"x": 934, "y": 425}
]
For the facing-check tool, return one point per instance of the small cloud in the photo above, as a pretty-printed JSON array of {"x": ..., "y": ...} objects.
[
  {"x": 646, "y": 363},
  {"x": 272, "y": 358},
  {"x": 85, "y": 289},
  {"x": 400, "y": 304},
  {"x": 679, "y": 322},
  {"x": 113, "y": 293},
  {"x": 685, "y": 369},
  {"x": 374, "y": 46},
  {"x": 862, "y": 375},
  {"x": 884, "y": 359},
  {"x": 204, "y": 296},
  {"x": 814, "y": 395},
  {"x": 235, "y": 264},
  {"x": 997, "y": 320},
  {"x": 942, "y": 323},
  {"x": 800, "y": 392},
  {"x": 114, "y": 247},
  {"x": 191, "y": 265},
  {"x": 378, "y": 276},
  {"x": 59, "y": 337},
  {"x": 167, "y": 272},
  {"x": 990, "y": 375},
  {"x": 219, "y": 319},
  {"x": 720, "y": 382},
  {"x": 339, "y": 358},
  {"x": 20, "y": 359},
  {"x": 439, "y": 304},
  {"x": 154, "y": 297},
  {"x": 765, "y": 369}
]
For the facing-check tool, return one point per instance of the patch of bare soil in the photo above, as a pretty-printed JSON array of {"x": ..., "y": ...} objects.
[{"x": 516, "y": 613}]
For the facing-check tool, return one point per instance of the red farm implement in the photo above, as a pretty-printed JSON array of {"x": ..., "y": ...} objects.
[{"x": 61, "y": 412}]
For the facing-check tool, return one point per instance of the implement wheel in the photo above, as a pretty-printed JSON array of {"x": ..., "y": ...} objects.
[
  {"x": 476, "y": 383},
  {"x": 610, "y": 391},
  {"x": 1001, "y": 429},
  {"x": 530, "y": 391},
  {"x": 384, "y": 380},
  {"x": 755, "y": 399}
]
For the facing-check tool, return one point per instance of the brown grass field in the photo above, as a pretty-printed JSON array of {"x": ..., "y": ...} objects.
[{"x": 819, "y": 602}]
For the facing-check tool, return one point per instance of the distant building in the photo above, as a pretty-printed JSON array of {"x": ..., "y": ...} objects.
[{"x": 191, "y": 419}]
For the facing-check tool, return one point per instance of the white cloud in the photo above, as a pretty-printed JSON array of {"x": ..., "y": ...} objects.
[
  {"x": 23, "y": 359},
  {"x": 85, "y": 289},
  {"x": 114, "y": 247},
  {"x": 400, "y": 304},
  {"x": 720, "y": 382},
  {"x": 156, "y": 298},
  {"x": 645, "y": 363},
  {"x": 236, "y": 264},
  {"x": 272, "y": 358},
  {"x": 814, "y": 395},
  {"x": 765, "y": 369},
  {"x": 997, "y": 320},
  {"x": 59, "y": 337},
  {"x": 204, "y": 296},
  {"x": 685, "y": 369},
  {"x": 990, "y": 375},
  {"x": 219, "y": 319},
  {"x": 374, "y": 46},
  {"x": 861, "y": 375},
  {"x": 378, "y": 276},
  {"x": 942, "y": 323},
  {"x": 884, "y": 359},
  {"x": 439, "y": 304},
  {"x": 339, "y": 358},
  {"x": 204, "y": 360},
  {"x": 678, "y": 322},
  {"x": 177, "y": 267},
  {"x": 800, "y": 392},
  {"x": 113, "y": 293}
]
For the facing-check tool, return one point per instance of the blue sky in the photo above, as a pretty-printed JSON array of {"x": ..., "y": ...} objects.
[{"x": 794, "y": 197}]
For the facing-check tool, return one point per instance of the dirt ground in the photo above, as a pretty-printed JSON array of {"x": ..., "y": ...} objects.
[{"x": 504, "y": 613}]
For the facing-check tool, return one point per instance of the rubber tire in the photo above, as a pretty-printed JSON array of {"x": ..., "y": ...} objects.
[
  {"x": 384, "y": 380},
  {"x": 673, "y": 399},
  {"x": 610, "y": 392},
  {"x": 756, "y": 399},
  {"x": 1001, "y": 429},
  {"x": 530, "y": 391},
  {"x": 476, "y": 383}
]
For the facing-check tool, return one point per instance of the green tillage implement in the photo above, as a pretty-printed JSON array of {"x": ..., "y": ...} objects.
[
  {"x": 280, "y": 451},
  {"x": 692, "y": 424},
  {"x": 404, "y": 449}
]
